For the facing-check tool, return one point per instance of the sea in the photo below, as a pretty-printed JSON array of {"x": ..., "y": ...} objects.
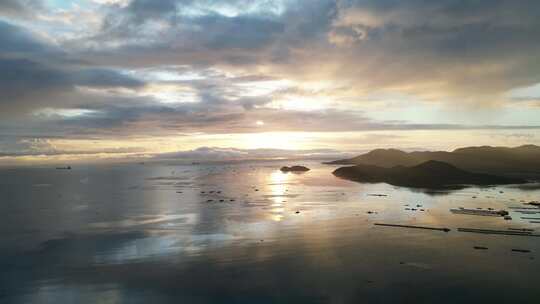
[{"x": 245, "y": 232}]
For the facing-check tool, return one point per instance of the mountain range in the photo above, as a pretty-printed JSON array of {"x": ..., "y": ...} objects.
[
  {"x": 522, "y": 161},
  {"x": 431, "y": 174}
]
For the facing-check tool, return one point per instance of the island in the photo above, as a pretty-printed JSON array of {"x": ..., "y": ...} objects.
[
  {"x": 430, "y": 174},
  {"x": 294, "y": 169},
  {"x": 521, "y": 162}
]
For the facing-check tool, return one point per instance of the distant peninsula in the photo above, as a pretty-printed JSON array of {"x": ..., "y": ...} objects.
[
  {"x": 431, "y": 175},
  {"x": 520, "y": 162}
]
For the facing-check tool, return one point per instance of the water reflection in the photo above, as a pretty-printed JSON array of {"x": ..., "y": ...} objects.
[
  {"x": 203, "y": 234},
  {"x": 278, "y": 187}
]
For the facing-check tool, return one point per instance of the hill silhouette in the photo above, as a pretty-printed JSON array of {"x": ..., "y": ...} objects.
[
  {"x": 431, "y": 174},
  {"x": 522, "y": 161}
]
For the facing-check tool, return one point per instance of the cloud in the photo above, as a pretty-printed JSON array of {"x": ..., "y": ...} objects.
[
  {"x": 198, "y": 34},
  {"x": 30, "y": 146},
  {"x": 122, "y": 118},
  {"x": 437, "y": 50},
  {"x": 35, "y": 74},
  {"x": 27, "y": 85},
  {"x": 18, "y": 42},
  {"x": 456, "y": 48},
  {"x": 228, "y": 154},
  {"x": 19, "y": 8},
  {"x": 144, "y": 68}
]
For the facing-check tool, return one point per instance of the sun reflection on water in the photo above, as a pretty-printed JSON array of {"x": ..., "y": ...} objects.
[{"x": 278, "y": 187}]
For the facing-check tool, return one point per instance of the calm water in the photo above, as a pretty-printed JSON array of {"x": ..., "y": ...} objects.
[{"x": 149, "y": 234}]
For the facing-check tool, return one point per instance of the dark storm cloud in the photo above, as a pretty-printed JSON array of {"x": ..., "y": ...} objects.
[
  {"x": 35, "y": 74},
  {"x": 103, "y": 78},
  {"x": 238, "y": 32},
  {"x": 145, "y": 9},
  {"x": 140, "y": 11},
  {"x": 147, "y": 117},
  {"x": 27, "y": 85},
  {"x": 469, "y": 47},
  {"x": 22, "y": 76},
  {"x": 473, "y": 50},
  {"x": 19, "y": 42},
  {"x": 19, "y": 8},
  {"x": 250, "y": 38}
]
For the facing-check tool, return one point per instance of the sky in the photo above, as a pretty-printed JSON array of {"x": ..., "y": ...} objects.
[{"x": 123, "y": 79}]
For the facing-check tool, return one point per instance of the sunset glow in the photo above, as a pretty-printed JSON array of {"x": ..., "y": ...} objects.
[
  {"x": 269, "y": 151},
  {"x": 112, "y": 79}
]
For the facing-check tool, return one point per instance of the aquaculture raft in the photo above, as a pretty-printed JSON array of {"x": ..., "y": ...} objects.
[{"x": 480, "y": 212}]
